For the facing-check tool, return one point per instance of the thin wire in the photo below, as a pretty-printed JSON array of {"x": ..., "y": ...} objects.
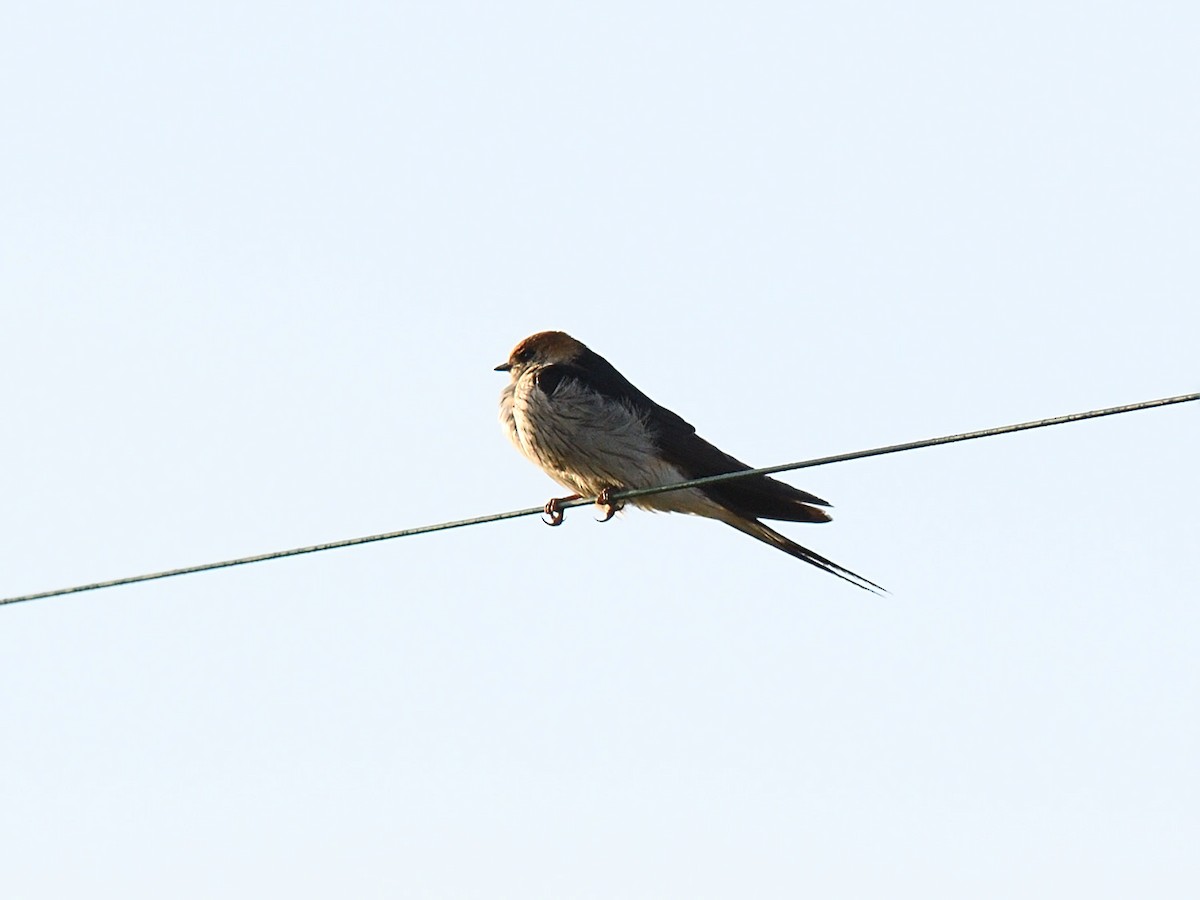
[
  {"x": 911, "y": 445},
  {"x": 623, "y": 495}
]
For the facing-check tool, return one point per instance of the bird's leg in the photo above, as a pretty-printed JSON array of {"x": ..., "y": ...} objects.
[
  {"x": 554, "y": 510},
  {"x": 605, "y": 502}
]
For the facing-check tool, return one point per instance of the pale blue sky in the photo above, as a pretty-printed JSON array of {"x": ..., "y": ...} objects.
[{"x": 257, "y": 262}]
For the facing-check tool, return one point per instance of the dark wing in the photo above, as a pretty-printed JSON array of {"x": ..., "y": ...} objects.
[
  {"x": 755, "y": 497},
  {"x": 597, "y": 374}
]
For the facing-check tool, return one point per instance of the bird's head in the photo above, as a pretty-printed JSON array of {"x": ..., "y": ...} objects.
[{"x": 546, "y": 348}]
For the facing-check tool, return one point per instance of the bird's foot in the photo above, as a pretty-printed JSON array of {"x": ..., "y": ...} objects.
[
  {"x": 554, "y": 510},
  {"x": 605, "y": 502}
]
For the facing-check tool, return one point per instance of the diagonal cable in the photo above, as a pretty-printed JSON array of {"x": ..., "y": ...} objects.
[{"x": 623, "y": 495}]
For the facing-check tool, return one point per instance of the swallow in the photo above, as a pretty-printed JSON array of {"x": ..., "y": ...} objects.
[{"x": 569, "y": 411}]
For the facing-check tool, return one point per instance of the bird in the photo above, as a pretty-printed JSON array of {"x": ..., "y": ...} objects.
[{"x": 568, "y": 410}]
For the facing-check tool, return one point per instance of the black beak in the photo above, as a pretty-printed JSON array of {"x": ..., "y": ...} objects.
[{"x": 503, "y": 367}]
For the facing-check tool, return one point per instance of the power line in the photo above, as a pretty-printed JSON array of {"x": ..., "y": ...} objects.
[
  {"x": 911, "y": 445},
  {"x": 623, "y": 495}
]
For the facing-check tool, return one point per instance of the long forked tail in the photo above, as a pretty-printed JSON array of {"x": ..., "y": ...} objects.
[{"x": 767, "y": 535}]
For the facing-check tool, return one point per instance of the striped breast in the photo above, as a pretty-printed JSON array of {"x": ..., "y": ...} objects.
[{"x": 583, "y": 440}]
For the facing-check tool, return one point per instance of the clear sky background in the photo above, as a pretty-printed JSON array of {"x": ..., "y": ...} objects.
[{"x": 257, "y": 262}]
